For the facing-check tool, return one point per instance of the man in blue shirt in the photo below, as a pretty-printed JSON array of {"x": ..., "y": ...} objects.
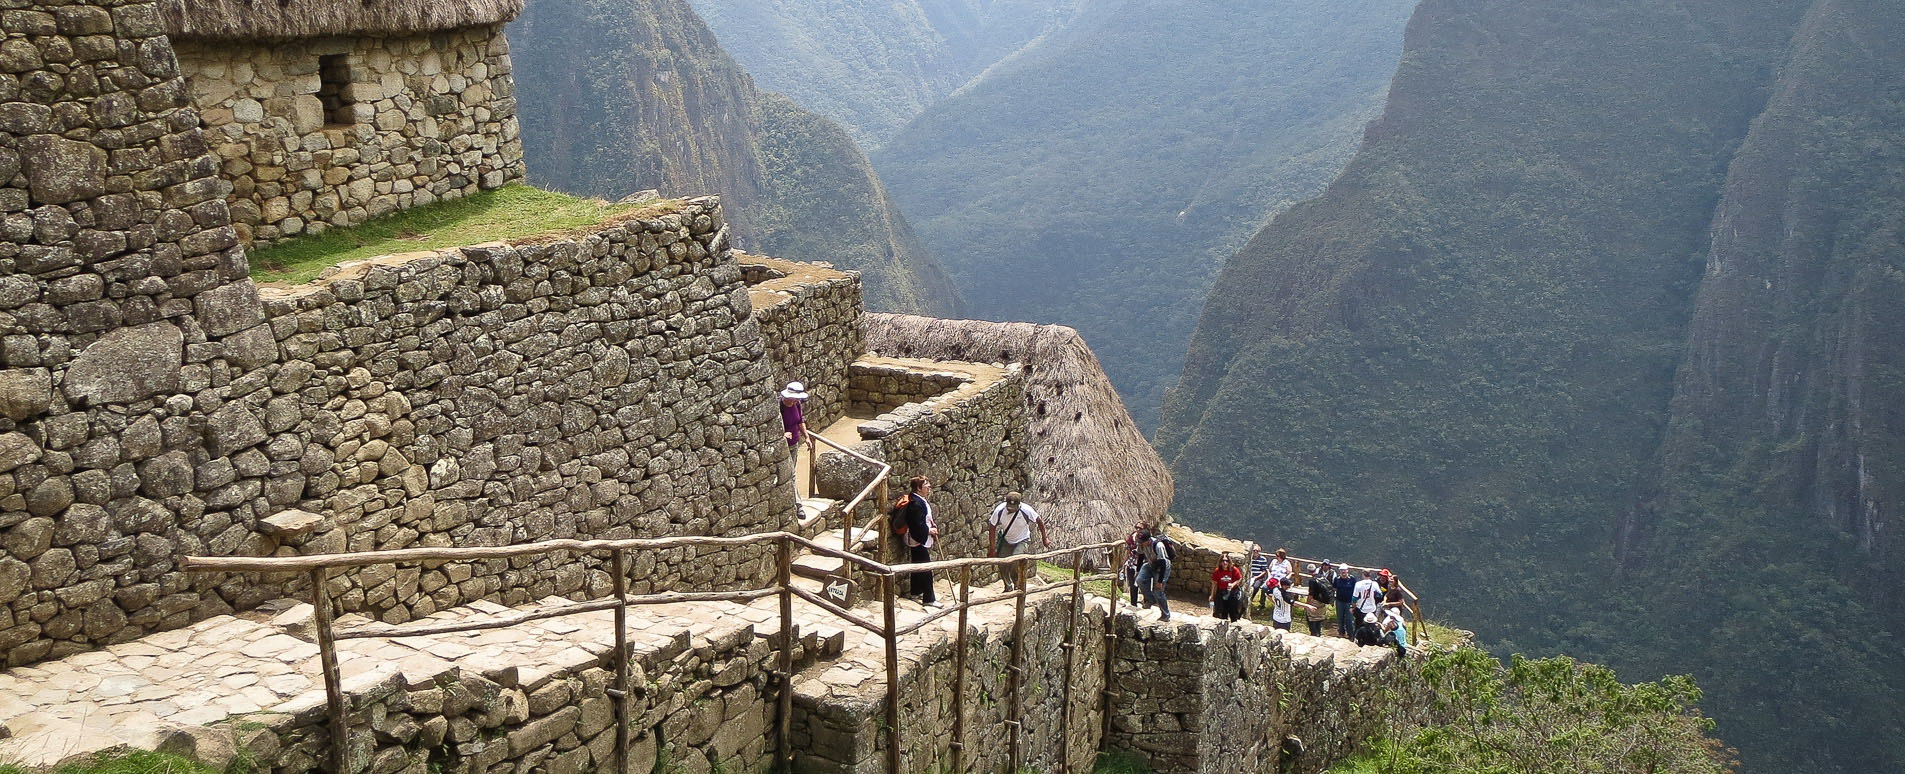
[{"x": 1344, "y": 583}]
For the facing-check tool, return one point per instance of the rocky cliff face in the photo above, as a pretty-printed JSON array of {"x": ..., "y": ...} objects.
[
  {"x": 1596, "y": 333},
  {"x": 621, "y": 95}
]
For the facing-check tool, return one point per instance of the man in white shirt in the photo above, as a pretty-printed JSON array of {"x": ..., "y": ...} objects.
[
  {"x": 1010, "y": 531},
  {"x": 1368, "y": 593}
]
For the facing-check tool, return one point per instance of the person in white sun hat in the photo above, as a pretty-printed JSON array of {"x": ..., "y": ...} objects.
[{"x": 794, "y": 422}]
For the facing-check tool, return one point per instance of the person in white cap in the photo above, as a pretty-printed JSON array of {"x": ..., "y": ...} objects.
[
  {"x": 1009, "y": 531},
  {"x": 794, "y": 422}
]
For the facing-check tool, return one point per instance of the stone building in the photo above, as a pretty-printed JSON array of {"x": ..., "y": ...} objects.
[{"x": 330, "y": 112}]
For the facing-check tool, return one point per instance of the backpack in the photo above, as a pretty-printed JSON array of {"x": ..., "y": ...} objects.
[
  {"x": 1320, "y": 590},
  {"x": 1170, "y": 547},
  {"x": 896, "y": 518}
]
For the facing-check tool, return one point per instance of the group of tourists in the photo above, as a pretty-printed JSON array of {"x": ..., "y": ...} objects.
[{"x": 1370, "y": 609}]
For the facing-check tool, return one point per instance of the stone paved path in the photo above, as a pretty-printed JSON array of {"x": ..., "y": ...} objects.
[{"x": 137, "y": 693}]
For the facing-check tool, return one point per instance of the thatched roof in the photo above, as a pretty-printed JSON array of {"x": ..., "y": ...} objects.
[
  {"x": 262, "y": 19},
  {"x": 1093, "y": 472}
]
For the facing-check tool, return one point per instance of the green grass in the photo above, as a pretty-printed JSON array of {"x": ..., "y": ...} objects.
[
  {"x": 1116, "y": 761},
  {"x": 510, "y": 212},
  {"x": 133, "y": 762}
]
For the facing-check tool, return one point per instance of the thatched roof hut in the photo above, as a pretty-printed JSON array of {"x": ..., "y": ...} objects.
[
  {"x": 1093, "y": 473},
  {"x": 266, "y": 19}
]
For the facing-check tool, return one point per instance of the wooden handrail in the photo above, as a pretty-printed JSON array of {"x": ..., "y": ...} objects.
[
  {"x": 458, "y": 553},
  {"x": 879, "y": 480}
]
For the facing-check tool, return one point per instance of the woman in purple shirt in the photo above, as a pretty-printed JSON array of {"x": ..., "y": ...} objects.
[{"x": 793, "y": 423}]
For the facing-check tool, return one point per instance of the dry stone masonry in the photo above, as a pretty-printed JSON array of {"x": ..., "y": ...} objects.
[
  {"x": 813, "y": 324},
  {"x": 614, "y": 381},
  {"x": 318, "y": 132}
]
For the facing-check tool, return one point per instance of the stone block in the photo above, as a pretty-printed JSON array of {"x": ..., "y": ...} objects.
[
  {"x": 59, "y": 170},
  {"x": 126, "y": 365}
]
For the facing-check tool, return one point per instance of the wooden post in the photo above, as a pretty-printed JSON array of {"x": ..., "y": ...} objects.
[
  {"x": 1015, "y": 673},
  {"x": 1071, "y": 656},
  {"x": 1111, "y": 657},
  {"x": 892, "y": 676},
  {"x": 619, "y": 564},
  {"x": 959, "y": 674},
  {"x": 784, "y": 724},
  {"x": 333, "y": 681}
]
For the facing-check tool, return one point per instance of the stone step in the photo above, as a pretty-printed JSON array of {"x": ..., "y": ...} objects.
[{"x": 816, "y": 514}]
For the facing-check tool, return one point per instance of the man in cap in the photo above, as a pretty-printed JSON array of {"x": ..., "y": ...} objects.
[
  {"x": 1009, "y": 532},
  {"x": 1344, "y": 584}
]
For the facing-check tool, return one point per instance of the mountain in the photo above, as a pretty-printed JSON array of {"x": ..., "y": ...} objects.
[
  {"x": 616, "y": 96},
  {"x": 1597, "y": 338},
  {"x": 1097, "y": 178},
  {"x": 1785, "y": 450},
  {"x": 874, "y": 66}
]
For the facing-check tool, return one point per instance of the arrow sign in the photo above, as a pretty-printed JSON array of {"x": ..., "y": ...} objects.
[{"x": 836, "y": 589}]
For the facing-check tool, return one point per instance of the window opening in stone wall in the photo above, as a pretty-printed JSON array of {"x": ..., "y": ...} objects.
[{"x": 334, "y": 81}]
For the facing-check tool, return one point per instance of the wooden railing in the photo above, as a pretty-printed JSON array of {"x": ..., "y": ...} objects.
[
  {"x": 878, "y": 483},
  {"x": 318, "y": 568}
]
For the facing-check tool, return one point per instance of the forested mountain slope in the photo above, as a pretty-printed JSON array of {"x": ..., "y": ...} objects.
[
  {"x": 621, "y": 95},
  {"x": 874, "y": 66},
  {"x": 1593, "y": 336},
  {"x": 1098, "y": 178},
  {"x": 1784, "y": 464}
]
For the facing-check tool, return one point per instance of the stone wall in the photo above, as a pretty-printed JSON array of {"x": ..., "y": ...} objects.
[
  {"x": 1208, "y": 696},
  {"x": 840, "y": 737},
  {"x": 315, "y": 133},
  {"x": 117, "y": 261},
  {"x": 970, "y": 440},
  {"x": 878, "y": 388},
  {"x": 533, "y": 699},
  {"x": 602, "y": 385},
  {"x": 813, "y": 324}
]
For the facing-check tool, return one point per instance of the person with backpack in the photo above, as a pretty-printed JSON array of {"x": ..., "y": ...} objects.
[
  {"x": 1321, "y": 595},
  {"x": 1009, "y": 532},
  {"x": 1369, "y": 633},
  {"x": 1368, "y": 594},
  {"x": 1280, "y": 603},
  {"x": 913, "y": 519},
  {"x": 1156, "y": 572},
  {"x": 794, "y": 421},
  {"x": 1343, "y": 583},
  {"x": 1227, "y": 589}
]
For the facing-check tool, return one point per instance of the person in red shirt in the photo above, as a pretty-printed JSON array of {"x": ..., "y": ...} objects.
[{"x": 1226, "y": 589}]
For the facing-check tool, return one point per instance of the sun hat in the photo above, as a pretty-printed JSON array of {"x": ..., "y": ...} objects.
[
  {"x": 795, "y": 391},
  {"x": 1310, "y": 568},
  {"x": 1371, "y": 618}
]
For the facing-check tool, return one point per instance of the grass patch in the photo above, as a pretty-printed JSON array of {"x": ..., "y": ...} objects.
[
  {"x": 133, "y": 762},
  {"x": 1115, "y": 761},
  {"x": 510, "y": 212}
]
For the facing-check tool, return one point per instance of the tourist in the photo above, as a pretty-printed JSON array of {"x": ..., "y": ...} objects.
[
  {"x": 1259, "y": 576},
  {"x": 1368, "y": 594},
  {"x": 1134, "y": 560},
  {"x": 1280, "y": 567},
  {"x": 1009, "y": 532},
  {"x": 1394, "y": 631},
  {"x": 1370, "y": 632},
  {"x": 1343, "y": 582},
  {"x": 1394, "y": 599},
  {"x": 1280, "y": 604},
  {"x": 1156, "y": 573},
  {"x": 1227, "y": 589},
  {"x": 922, "y": 532},
  {"x": 794, "y": 423},
  {"x": 1321, "y": 595}
]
